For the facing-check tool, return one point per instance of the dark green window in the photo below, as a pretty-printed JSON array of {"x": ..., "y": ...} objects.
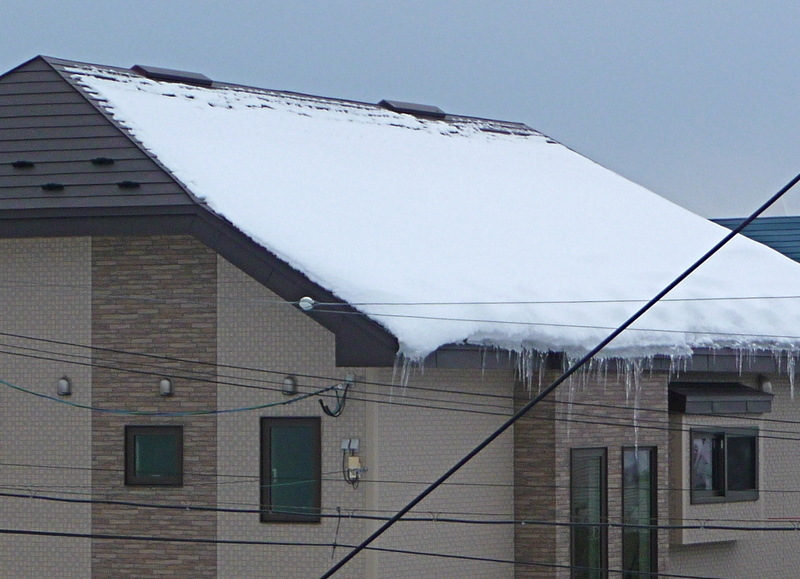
[
  {"x": 290, "y": 469},
  {"x": 639, "y": 511},
  {"x": 724, "y": 465},
  {"x": 588, "y": 513},
  {"x": 154, "y": 455}
]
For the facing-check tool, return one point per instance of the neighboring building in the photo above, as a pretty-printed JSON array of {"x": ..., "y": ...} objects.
[
  {"x": 780, "y": 233},
  {"x": 187, "y": 267}
]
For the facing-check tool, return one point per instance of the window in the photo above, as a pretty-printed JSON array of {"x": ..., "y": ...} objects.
[
  {"x": 588, "y": 509},
  {"x": 639, "y": 509},
  {"x": 290, "y": 469},
  {"x": 154, "y": 455},
  {"x": 724, "y": 465}
]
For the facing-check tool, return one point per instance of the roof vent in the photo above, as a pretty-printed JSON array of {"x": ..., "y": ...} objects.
[
  {"x": 53, "y": 187},
  {"x": 102, "y": 161},
  {"x": 22, "y": 164},
  {"x": 415, "y": 109},
  {"x": 171, "y": 75},
  {"x": 128, "y": 185}
]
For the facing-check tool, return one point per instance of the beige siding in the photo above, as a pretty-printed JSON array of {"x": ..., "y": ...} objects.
[
  {"x": 45, "y": 447},
  {"x": 258, "y": 330},
  {"x": 414, "y": 436},
  {"x": 747, "y": 554}
]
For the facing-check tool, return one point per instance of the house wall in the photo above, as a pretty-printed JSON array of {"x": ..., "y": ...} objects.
[
  {"x": 746, "y": 554},
  {"x": 599, "y": 410},
  {"x": 155, "y": 298},
  {"x": 534, "y": 491},
  {"x": 257, "y": 329},
  {"x": 45, "y": 287},
  {"x": 413, "y": 436}
]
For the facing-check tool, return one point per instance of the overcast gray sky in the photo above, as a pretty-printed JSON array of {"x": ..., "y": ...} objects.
[{"x": 697, "y": 101}]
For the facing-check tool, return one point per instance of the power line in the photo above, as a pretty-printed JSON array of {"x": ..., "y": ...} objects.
[
  {"x": 563, "y": 325},
  {"x": 404, "y": 396},
  {"x": 641, "y": 423},
  {"x": 196, "y": 375},
  {"x": 160, "y": 539},
  {"x": 162, "y": 413},
  {"x": 282, "y": 302},
  {"x": 437, "y": 517},
  {"x": 302, "y": 397}
]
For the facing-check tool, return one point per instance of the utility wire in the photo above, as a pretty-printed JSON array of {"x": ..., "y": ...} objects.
[
  {"x": 195, "y": 374},
  {"x": 571, "y": 417},
  {"x": 282, "y": 302},
  {"x": 574, "y": 368},
  {"x": 161, "y": 413},
  {"x": 792, "y": 524},
  {"x": 159, "y": 539},
  {"x": 404, "y": 396},
  {"x": 562, "y": 325}
]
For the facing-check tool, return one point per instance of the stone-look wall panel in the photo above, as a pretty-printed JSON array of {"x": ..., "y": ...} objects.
[
  {"x": 535, "y": 496},
  {"x": 415, "y": 435},
  {"x": 259, "y": 330},
  {"x": 747, "y": 554},
  {"x": 598, "y": 410},
  {"x": 45, "y": 446},
  {"x": 154, "y": 296}
]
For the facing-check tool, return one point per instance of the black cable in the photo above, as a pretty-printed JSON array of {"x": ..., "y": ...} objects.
[
  {"x": 560, "y": 325},
  {"x": 199, "y": 376},
  {"x": 439, "y": 517},
  {"x": 536, "y": 564},
  {"x": 574, "y": 368},
  {"x": 280, "y": 302},
  {"x": 112, "y": 537}
]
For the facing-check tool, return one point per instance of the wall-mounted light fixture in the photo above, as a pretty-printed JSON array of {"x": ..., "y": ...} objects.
[
  {"x": 64, "y": 386},
  {"x": 165, "y": 387},
  {"x": 289, "y": 386},
  {"x": 764, "y": 384}
]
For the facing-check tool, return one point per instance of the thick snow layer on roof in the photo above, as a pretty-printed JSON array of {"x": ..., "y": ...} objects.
[{"x": 446, "y": 232}]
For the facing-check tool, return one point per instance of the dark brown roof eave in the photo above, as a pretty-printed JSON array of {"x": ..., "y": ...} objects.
[{"x": 359, "y": 340}]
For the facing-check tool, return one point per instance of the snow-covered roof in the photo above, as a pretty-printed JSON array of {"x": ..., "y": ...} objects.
[{"x": 457, "y": 230}]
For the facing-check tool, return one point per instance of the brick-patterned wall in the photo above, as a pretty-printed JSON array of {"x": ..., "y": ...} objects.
[
  {"x": 534, "y": 490},
  {"x": 596, "y": 410},
  {"x": 156, "y": 296}
]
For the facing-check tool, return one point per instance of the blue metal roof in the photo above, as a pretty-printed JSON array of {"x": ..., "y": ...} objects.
[{"x": 780, "y": 233}]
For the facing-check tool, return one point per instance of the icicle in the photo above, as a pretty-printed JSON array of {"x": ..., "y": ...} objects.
[
  {"x": 542, "y": 366},
  {"x": 571, "y": 384},
  {"x": 398, "y": 360},
  {"x": 637, "y": 380},
  {"x": 790, "y": 366},
  {"x": 777, "y": 356},
  {"x": 405, "y": 376},
  {"x": 627, "y": 379},
  {"x": 405, "y": 367}
]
